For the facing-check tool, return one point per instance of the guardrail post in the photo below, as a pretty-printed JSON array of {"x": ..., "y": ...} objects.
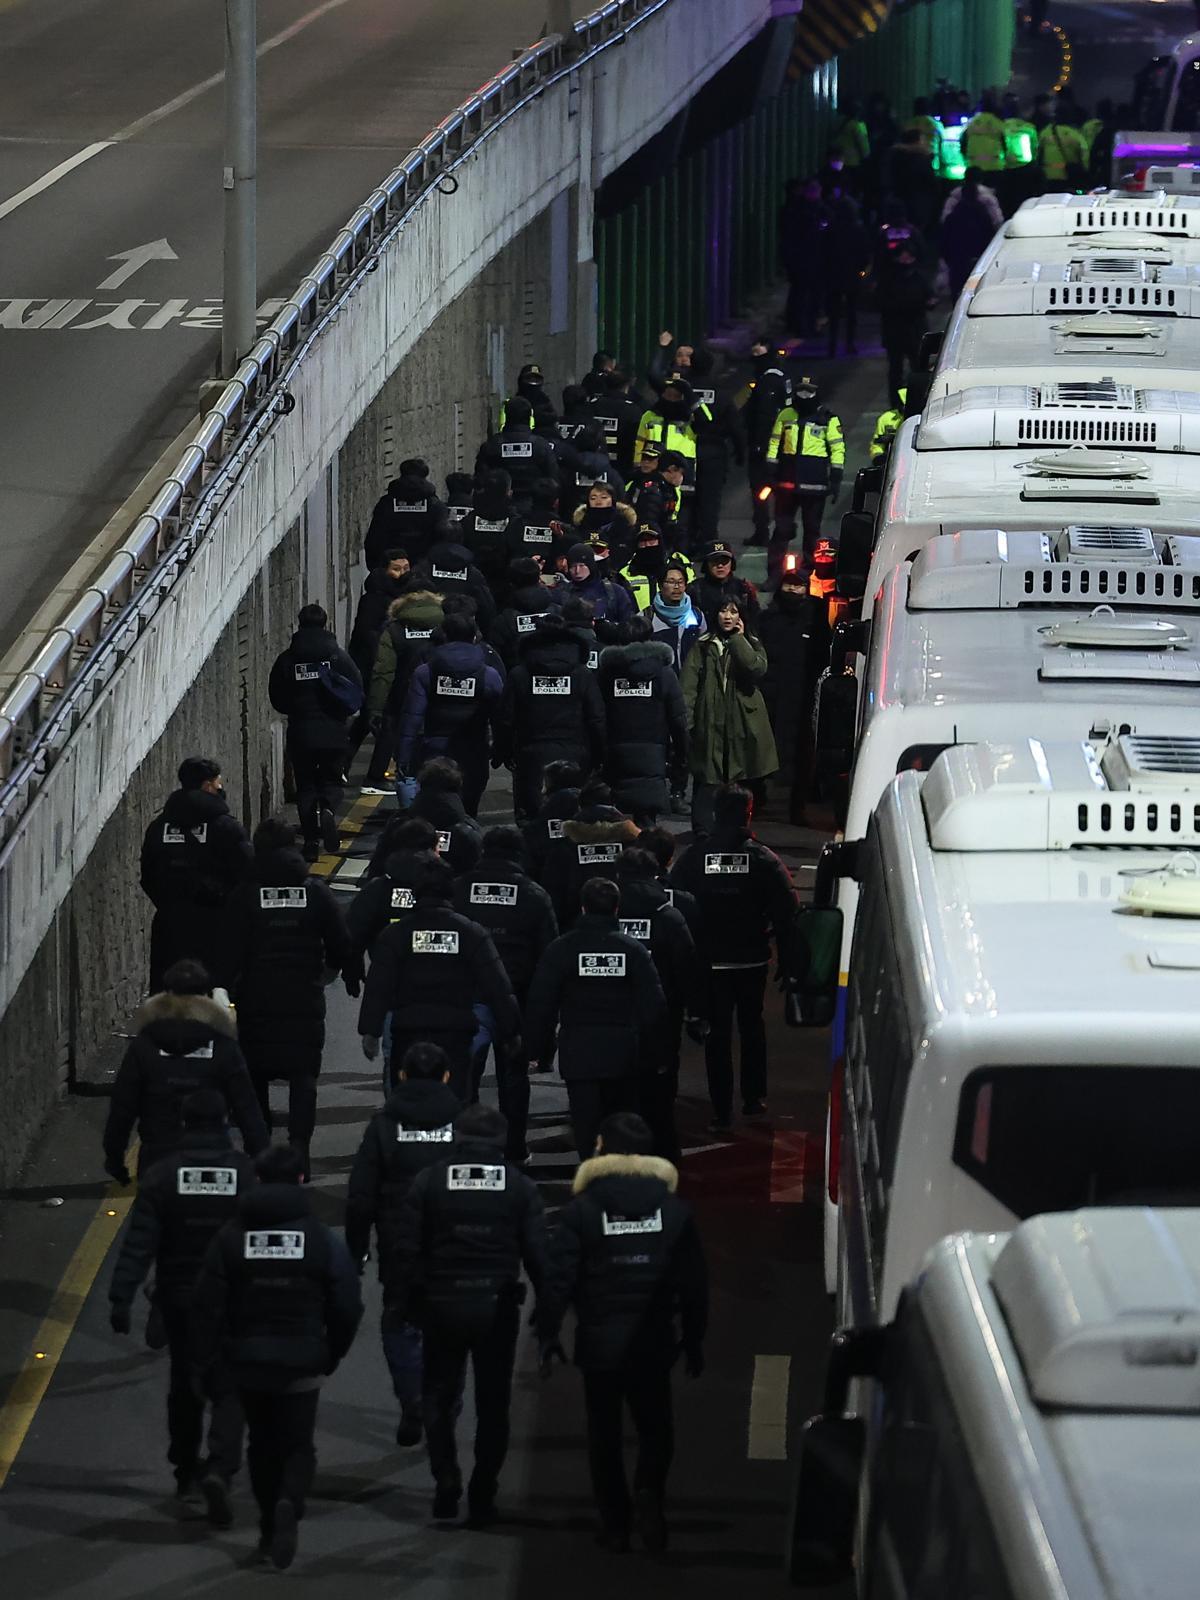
[{"x": 240, "y": 304}]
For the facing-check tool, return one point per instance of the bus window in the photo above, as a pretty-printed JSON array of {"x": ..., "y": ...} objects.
[
  {"x": 1054, "y": 1138},
  {"x": 920, "y": 757}
]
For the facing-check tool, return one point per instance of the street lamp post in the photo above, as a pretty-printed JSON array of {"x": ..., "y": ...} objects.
[{"x": 240, "y": 300}]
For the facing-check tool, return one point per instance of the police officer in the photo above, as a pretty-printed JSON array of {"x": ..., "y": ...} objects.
[
  {"x": 439, "y": 799},
  {"x": 769, "y": 392},
  {"x": 745, "y": 898},
  {"x": 408, "y": 514},
  {"x": 634, "y": 1308},
  {"x": 491, "y": 527},
  {"x": 590, "y": 847},
  {"x": 599, "y": 988},
  {"x": 647, "y": 566},
  {"x": 649, "y": 915},
  {"x": 452, "y": 704},
  {"x": 808, "y": 454},
  {"x": 717, "y": 424},
  {"x": 317, "y": 687},
  {"x": 450, "y": 572},
  {"x": 668, "y": 424},
  {"x": 657, "y": 490},
  {"x": 501, "y": 897},
  {"x": 717, "y": 581},
  {"x": 1062, "y": 154},
  {"x": 181, "y": 1203},
  {"x": 278, "y": 1301},
  {"x": 531, "y": 387},
  {"x": 887, "y": 426},
  {"x": 388, "y": 894},
  {"x": 618, "y": 411},
  {"x": 428, "y": 970},
  {"x": 538, "y": 529},
  {"x": 647, "y": 733},
  {"x": 469, "y": 1225},
  {"x": 183, "y": 1041},
  {"x": 983, "y": 143},
  {"x": 561, "y": 783},
  {"x": 795, "y": 635},
  {"x": 408, "y": 636},
  {"x": 193, "y": 855},
  {"x": 528, "y": 599},
  {"x": 516, "y": 449},
  {"x": 287, "y": 941},
  {"x": 413, "y": 1130},
  {"x": 552, "y": 710}
]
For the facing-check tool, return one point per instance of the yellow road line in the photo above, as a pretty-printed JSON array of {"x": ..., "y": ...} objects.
[
  {"x": 30, "y": 1385},
  {"x": 326, "y": 865}
]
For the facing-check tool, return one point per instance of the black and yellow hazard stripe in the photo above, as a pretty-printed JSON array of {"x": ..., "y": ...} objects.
[{"x": 825, "y": 27}]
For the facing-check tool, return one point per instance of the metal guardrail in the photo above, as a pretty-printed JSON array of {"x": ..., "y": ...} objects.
[{"x": 77, "y": 659}]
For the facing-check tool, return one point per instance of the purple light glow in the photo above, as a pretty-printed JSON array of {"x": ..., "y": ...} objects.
[{"x": 1122, "y": 150}]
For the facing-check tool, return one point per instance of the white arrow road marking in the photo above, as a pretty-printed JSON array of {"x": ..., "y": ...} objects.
[{"x": 141, "y": 255}]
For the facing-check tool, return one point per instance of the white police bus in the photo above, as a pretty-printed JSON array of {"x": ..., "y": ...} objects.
[{"x": 1034, "y": 1427}]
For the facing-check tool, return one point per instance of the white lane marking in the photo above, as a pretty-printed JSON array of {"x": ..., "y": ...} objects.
[
  {"x": 134, "y": 260},
  {"x": 768, "y": 1409},
  {"x": 40, "y": 185},
  {"x": 352, "y": 867},
  {"x": 160, "y": 113}
]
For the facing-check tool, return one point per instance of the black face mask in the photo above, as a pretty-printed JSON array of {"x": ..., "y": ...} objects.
[
  {"x": 674, "y": 410},
  {"x": 790, "y": 602},
  {"x": 649, "y": 561}
]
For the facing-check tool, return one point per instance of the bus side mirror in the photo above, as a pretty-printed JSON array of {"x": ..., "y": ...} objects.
[
  {"x": 855, "y": 545},
  {"x": 929, "y": 349},
  {"x": 867, "y": 480},
  {"x": 812, "y": 967},
  {"x": 825, "y": 1504}
]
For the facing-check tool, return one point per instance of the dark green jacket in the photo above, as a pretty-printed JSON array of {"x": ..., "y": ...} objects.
[{"x": 730, "y": 731}]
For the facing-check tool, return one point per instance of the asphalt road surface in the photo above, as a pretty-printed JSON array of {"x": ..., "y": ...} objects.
[{"x": 110, "y": 141}]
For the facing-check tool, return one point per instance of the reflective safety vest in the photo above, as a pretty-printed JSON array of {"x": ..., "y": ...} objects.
[
  {"x": 886, "y": 429},
  {"x": 1020, "y": 142},
  {"x": 983, "y": 142},
  {"x": 850, "y": 142},
  {"x": 1059, "y": 147},
  {"x": 644, "y": 588},
  {"x": 680, "y": 436},
  {"x": 1088, "y": 134},
  {"x": 931, "y": 136},
  {"x": 810, "y": 447}
]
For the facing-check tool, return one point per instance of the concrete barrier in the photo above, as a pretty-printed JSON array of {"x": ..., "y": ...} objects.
[{"x": 183, "y": 667}]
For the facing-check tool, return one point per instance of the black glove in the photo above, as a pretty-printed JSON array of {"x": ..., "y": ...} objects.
[
  {"x": 835, "y": 481},
  {"x": 117, "y": 1171},
  {"x": 353, "y": 982},
  {"x": 376, "y": 725},
  {"x": 119, "y": 1318},
  {"x": 693, "y": 1362},
  {"x": 370, "y": 1047},
  {"x": 549, "y": 1351},
  {"x": 696, "y": 1029}
]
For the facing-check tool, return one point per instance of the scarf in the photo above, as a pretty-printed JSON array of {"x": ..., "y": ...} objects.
[{"x": 679, "y": 613}]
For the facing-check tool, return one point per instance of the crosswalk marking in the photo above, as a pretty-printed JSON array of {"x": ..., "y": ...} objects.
[
  {"x": 767, "y": 1435},
  {"x": 789, "y": 1166}
]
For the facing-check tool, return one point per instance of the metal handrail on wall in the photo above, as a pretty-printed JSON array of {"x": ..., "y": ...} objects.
[{"x": 46, "y": 703}]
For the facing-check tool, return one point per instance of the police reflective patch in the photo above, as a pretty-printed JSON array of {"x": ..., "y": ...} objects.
[
  {"x": 435, "y": 942},
  {"x": 593, "y": 660},
  {"x": 443, "y": 843},
  {"x": 457, "y": 513},
  {"x": 424, "y": 1135},
  {"x": 705, "y": 397},
  {"x": 724, "y": 864},
  {"x": 202, "y": 1052},
  {"x": 494, "y": 894},
  {"x": 459, "y": 574},
  {"x": 516, "y": 450},
  {"x": 582, "y": 481},
  {"x": 403, "y": 899},
  {"x": 670, "y": 894},
  {"x": 526, "y": 624},
  {"x": 309, "y": 671},
  {"x": 283, "y": 899},
  {"x": 551, "y": 685},
  {"x": 595, "y": 855},
  {"x": 273, "y": 1245},
  {"x": 603, "y": 965},
  {"x": 418, "y": 633},
  {"x": 483, "y": 525},
  {"x": 476, "y": 1177},
  {"x": 460, "y": 688},
  {"x": 412, "y": 508},
  {"x": 537, "y": 536},
  {"x": 616, "y": 1225},
  {"x": 554, "y": 827},
  {"x": 609, "y": 424},
  {"x": 174, "y": 835},
  {"x": 206, "y": 1180},
  {"x": 627, "y": 689},
  {"x": 636, "y": 928}
]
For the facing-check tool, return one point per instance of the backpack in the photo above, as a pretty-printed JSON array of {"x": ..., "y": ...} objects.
[{"x": 343, "y": 690}]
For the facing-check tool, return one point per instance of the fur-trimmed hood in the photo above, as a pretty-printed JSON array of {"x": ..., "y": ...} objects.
[
  {"x": 417, "y": 605},
  {"x": 602, "y": 825},
  {"x": 640, "y": 654},
  {"x": 599, "y": 1167},
  {"x": 199, "y": 1010}
]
